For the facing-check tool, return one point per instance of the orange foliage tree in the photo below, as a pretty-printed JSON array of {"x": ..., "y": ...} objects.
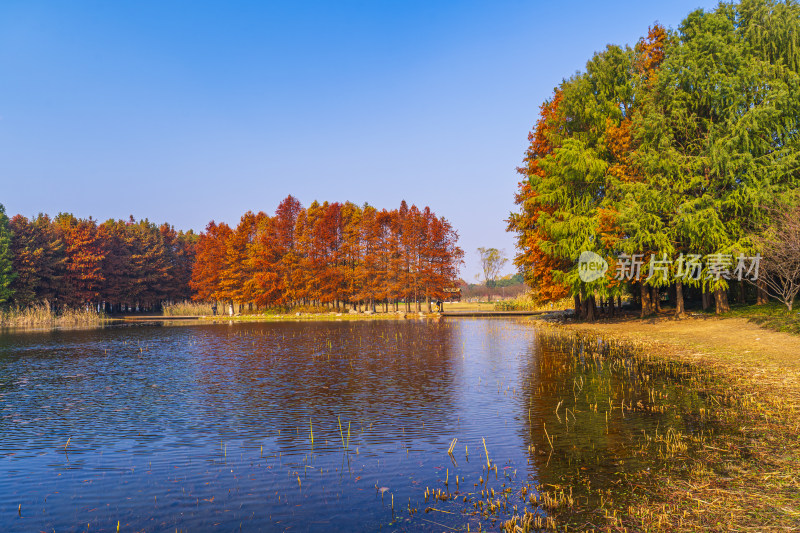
[
  {"x": 330, "y": 254},
  {"x": 533, "y": 258}
]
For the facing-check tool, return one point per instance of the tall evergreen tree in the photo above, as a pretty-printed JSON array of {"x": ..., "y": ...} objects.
[{"x": 6, "y": 261}]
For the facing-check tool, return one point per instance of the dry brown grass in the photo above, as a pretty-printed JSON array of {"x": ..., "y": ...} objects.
[
  {"x": 748, "y": 480},
  {"x": 756, "y": 357},
  {"x": 188, "y": 308},
  {"x": 469, "y": 306},
  {"x": 40, "y": 315}
]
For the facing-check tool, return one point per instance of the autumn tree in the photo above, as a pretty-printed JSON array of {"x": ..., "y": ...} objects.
[
  {"x": 210, "y": 262},
  {"x": 286, "y": 217},
  {"x": 442, "y": 256},
  {"x": 236, "y": 275},
  {"x": 367, "y": 272},
  {"x": 120, "y": 263},
  {"x": 180, "y": 250},
  {"x": 39, "y": 260},
  {"x": 534, "y": 244},
  {"x": 85, "y": 253},
  {"x": 668, "y": 148}
]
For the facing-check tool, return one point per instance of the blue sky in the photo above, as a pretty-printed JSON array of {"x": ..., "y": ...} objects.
[{"x": 190, "y": 111}]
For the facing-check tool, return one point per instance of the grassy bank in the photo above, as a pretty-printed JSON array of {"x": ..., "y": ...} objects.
[
  {"x": 42, "y": 316},
  {"x": 772, "y": 315},
  {"x": 745, "y": 479},
  {"x": 755, "y": 357}
]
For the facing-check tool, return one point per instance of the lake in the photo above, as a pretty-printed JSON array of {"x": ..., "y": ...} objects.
[{"x": 210, "y": 427}]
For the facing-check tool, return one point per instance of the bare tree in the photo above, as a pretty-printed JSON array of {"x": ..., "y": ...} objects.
[
  {"x": 492, "y": 262},
  {"x": 779, "y": 270}
]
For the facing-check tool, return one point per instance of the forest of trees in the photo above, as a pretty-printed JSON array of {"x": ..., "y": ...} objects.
[
  {"x": 115, "y": 266},
  {"x": 683, "y": 144},
  {"x": 325, "y": 255},
  {"x": 329, "y": 254}
]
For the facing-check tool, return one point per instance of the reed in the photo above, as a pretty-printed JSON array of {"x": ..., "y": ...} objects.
[
  {"x": 42, "y": 315},
  {"x": 189, "y": 308},
  {"x": 527, "y": 303},
  {"x": 452, "y": 447}
]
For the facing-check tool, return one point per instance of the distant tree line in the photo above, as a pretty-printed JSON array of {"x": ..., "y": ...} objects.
[
  {"x": 327, "y": 254},
  {"x": 510, "y": 286},
  {"x": 679, "y": 146},
  {"x": 115, "y": 266},
  {"x": 330, "y": 254}
]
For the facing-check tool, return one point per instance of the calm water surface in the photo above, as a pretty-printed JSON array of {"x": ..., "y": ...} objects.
[{"x": 209, "y": 427}]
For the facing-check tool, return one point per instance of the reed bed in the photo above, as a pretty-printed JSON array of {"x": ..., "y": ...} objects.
[
  {"x": 41, "y": 315},
  {"x": 189, "y": 308},
  {"x": 526, "y": 303}
]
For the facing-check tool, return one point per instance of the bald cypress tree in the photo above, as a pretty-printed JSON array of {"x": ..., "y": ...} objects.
[
  {"x": 671, "y": 148},
  {"x": 6, "y": 271},
  {"x": 718, "y": 130}
]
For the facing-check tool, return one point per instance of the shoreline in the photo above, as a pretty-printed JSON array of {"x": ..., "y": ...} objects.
[
  {"x": 750, "y": 479},
  {"x": 206, "y": 319},
  {"x": 751, "y": 354}
]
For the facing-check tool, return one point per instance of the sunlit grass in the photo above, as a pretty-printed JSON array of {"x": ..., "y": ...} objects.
[
  {"x": 772, "y": 315},
  {"x": 526, "y": 303},
  {"x": 187, "y": 308},
  {"x": 41, "y": 315}
]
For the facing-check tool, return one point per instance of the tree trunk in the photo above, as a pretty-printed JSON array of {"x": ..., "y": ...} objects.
[
  {"x": 578, "y": 307},
  {"x": 706, "y": 299},
  {"x": 647, "y": 303},
  {"x": 680, "y": 311},
  {"x": 429, "y": 304},
  {"x": 762, "y": 297},
  {"x": 655, "y": 293},
  {"x": 721, "y": 300},
  {"x": 591, "y": 309}
]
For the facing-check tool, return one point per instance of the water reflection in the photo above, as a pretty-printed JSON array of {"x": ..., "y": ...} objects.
[
  {"x": 597, "y": 416},
  {"x": 202, "y": 426},
  {"x": 210, "y": 426}
]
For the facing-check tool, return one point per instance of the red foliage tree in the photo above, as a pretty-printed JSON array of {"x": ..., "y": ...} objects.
[
  {"x": 84, "y": 260},
  {"x": 210, "y": 262}
]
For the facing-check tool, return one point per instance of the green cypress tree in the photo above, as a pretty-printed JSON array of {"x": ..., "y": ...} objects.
[
  {"x": 6, "y": 270},
  {"x": 718, "y": 128}
]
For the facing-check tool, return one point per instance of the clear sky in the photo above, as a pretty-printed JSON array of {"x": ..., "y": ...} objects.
[{"x": 188, "y": 111}]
